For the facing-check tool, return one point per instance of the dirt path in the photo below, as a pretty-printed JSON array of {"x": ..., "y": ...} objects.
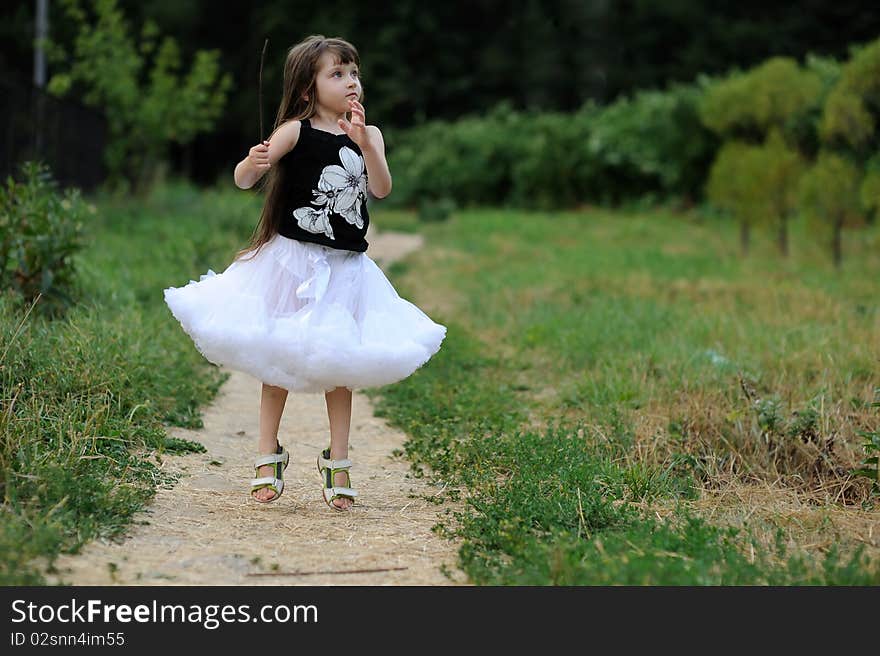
[{"x": 207, "y": 531}]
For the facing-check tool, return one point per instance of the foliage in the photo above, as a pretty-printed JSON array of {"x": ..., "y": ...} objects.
[
  {"x": 869, "y": 191},
  {"x": 436, "y": 210},
  {"x": 734, "y": 179},
  {"x": 40, "y": 232},
  {"x": 552, "y": 165},
  {"x": 870, "y": 466},
  {"x": 147, "y": 108},
  {"x": 746, "y": 105},
  {"x": 801, "y": 130},
  {"x": 653, "y": 141},
  {"x": 469, "y": 160},
  {"x": 782, "y": 168},
  {"x": 652, "y": 144},
  {"x": 829, "y": 192},
  {"x": 852, "y": 108}
]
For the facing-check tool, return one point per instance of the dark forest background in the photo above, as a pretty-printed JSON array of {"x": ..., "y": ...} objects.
[{"x": 424, "y": 61}]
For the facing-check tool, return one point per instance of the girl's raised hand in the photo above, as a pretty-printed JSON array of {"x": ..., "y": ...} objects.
[
  {"x": 259, "y": 156},
  {"x": 357, "y": 129}
]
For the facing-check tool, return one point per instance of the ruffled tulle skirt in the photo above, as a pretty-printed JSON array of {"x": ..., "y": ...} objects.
[{"x": 306, "y": 317}]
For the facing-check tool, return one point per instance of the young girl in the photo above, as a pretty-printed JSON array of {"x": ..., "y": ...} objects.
[{"x": 308, "y": 310}]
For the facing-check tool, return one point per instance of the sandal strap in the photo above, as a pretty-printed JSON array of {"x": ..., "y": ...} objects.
[
  {"x": 272, "y": 458},
  {"x": 265, "y": 480},
  {"x": 339, "y": 492},
  {"x": 334, "y": 464},
  {"x": 275, "y": 484}
]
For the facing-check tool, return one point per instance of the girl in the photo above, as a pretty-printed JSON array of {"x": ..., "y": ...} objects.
[{"x": 303, "y": 308}]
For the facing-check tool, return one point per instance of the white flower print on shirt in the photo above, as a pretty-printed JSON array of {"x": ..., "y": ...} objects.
[{"x": 342, "y": 190}]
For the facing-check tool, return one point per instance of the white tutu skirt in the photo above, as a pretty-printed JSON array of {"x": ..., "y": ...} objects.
[{"x": 306, "y": 317}]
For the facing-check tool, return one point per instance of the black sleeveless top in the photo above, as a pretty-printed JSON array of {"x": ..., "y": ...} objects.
[{"x": 325, "y": 190}]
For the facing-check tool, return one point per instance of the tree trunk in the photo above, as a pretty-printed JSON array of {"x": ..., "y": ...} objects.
[
  {"x": 782, "y": 236},
  {"x": 744, "y": 236},
  {"x": 836, "y": 243}
]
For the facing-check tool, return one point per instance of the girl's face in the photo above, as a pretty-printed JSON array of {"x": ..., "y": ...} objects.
[{"x": 337, "y": 83}]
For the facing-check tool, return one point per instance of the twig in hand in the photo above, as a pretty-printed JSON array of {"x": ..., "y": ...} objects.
[{"x": 262, "y": 57}]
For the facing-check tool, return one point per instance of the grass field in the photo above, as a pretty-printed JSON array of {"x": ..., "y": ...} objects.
[
  {"x": 85, "y": 400},
  {"x": 621, "y": 398}
]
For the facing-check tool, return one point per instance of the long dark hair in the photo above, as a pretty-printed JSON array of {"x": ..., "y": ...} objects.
[{"x": 300, "y": 71}]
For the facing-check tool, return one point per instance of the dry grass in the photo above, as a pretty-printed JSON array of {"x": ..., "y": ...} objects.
[
  {"x": 811, "y": 521},
  {"x": 789, "y": 476}
]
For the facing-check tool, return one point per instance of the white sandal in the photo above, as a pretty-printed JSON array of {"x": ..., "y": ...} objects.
[
  {"x": 328, "y": 468},
  {"x": 279, "y": 459}
]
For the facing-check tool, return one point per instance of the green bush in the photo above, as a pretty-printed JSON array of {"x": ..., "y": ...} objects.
[
  {"x": 654, "y": 142},
  {"x": 40, "y": 231},
  {"x": 552, "y": 168},
  {"x": 469, "y": 160},
  {"x": 436, "y": 210}
]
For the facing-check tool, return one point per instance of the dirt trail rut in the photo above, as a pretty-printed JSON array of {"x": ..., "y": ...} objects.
[{"x": 207, "y": 531}]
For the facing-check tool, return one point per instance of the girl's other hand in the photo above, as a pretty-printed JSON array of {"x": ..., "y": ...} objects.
[
  {"x": 259, "y": 156},
  {"x": 357, "y": 129}
]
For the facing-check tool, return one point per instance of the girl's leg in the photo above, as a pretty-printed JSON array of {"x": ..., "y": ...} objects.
[
  {"x": 339, "y": 413},
  {"x": 271, "y": 406}
]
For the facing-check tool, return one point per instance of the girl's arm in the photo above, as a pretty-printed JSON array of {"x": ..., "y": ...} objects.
[
  {"x": 261, "y": 157},
  {"x": 378, "y": 175},
  {"x": 372, "y": 145}
]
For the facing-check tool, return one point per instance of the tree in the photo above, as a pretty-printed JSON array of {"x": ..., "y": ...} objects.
[
  {"x": 782, "y": 169},
  {"x": 829, "y": 197},
  {"x": 734, "y": 181},
  {"x": 844, "y": 185},
  {"x": 146, "y": 110},
  {"x": 869, "y": 192}
]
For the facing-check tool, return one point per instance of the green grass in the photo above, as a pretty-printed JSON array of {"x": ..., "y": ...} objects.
[
  {"x": 602, "y": 370},
  {"x": 399, "y": 220},
  {"x": 628, "y": 314},
  {"x": 564, "y": 506},
  {"x": 86, "y": 399}
]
